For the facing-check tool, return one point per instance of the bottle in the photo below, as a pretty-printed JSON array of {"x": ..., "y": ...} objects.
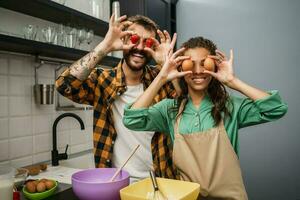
[{"x": 116, "y": 11}]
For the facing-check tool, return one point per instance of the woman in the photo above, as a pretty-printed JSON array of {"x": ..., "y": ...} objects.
[{"x": 203, "y": 123}]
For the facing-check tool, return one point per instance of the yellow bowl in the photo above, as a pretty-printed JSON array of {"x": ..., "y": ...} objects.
[{"x": 172, "y": 189}]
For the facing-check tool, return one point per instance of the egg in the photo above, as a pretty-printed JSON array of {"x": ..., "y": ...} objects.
[
  {"x": 209, "y": 64},
  {"x": 41, "y": 187},
  {"x": 43, "y": 180},
  {"x": 49, "y": 184},
  {"x": 187, "y": 65},
  {"x": 30, "y": 187}
]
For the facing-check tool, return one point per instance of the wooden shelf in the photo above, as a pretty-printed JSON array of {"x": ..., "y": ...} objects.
[
  {"x": 55, "y": 12},
  {"x": 20, "y": 45}
]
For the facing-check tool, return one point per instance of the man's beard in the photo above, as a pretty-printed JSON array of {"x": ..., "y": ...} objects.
[{"x": 130, "y": 53}]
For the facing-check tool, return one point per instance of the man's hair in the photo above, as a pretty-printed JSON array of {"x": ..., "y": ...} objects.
[
  {"x": 145, "y": 22},
  {"x": 200, "y": 42}
]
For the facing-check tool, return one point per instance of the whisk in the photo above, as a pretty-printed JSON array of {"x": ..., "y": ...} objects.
[{"x": 157, "y": 194}]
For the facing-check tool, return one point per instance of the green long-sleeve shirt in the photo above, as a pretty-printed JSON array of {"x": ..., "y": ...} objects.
[{"x": 244, "y": 112}]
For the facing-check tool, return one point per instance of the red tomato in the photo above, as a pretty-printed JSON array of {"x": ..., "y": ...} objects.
[
  {"x": 149, "y": 43},
  {"x": 134, "y": 38}
]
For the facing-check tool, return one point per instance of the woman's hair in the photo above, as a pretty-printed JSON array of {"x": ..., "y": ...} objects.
[{"x": 216, "y": 90}]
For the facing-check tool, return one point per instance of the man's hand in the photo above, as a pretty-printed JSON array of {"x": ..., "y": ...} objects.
[
  {"x": 160, "y": 50},
  {"x": 114, "y": 38}
]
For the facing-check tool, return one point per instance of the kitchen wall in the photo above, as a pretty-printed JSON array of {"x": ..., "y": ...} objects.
[
  {"x": 25, "y": 127},
  {"x": 265, "y": 38}
]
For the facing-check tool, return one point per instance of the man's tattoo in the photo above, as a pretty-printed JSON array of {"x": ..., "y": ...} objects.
[{"x": 83, "y": 67}]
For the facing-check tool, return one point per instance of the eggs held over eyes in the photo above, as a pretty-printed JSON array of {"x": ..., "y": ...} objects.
[
  {"x": 187, "y": 65},
  {"x": 209, "y": 64}
]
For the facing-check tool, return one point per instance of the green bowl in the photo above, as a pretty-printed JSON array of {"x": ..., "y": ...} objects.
[{"x": 40, "y": 195}]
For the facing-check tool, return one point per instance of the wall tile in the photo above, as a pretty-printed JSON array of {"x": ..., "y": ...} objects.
[
  {"x": 3, "y": 64},
  {"x": 3, "y": 106},
  {"x": 41, "y": 109},
  {"x": 42, "y": 124},
  {"x": 4, "y": 150},
  {"x": 77, "y": 137},
  {"x": 19, "y": 65},
  {"x": 22, "y": 162},
  {"x": 3, "y": 85},
  {"x": 19, "y": 147},
  {"x": 20, "y": 106},
  {"x": 20, "y": 126},
  {"x": 46, "y": 71},
  {"x": 42, "y": 157},
  {"x": 78, "y": 148},
  {"x": 63, "y": 138},
  {"x": 41, "y": 143},
  {"x": 21, "y": 85},
  {"x": 4, "y": 128}
]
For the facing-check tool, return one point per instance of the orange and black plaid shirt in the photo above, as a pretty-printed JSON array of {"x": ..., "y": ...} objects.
[{"x": 101, "y": 88}]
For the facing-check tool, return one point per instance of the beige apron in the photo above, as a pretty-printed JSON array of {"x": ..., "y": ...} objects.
[{"x": 208, "y": 158}]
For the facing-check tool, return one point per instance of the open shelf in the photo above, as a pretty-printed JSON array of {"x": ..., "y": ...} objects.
[
  {"x": 20, "y": 45},
  {"x": 55, "y": 12}
]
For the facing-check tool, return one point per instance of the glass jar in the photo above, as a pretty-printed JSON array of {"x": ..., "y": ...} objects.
[{"x": 6, "y": 182}]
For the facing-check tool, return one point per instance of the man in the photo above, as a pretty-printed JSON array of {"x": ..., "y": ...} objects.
[{"x": 108, "y": 91}]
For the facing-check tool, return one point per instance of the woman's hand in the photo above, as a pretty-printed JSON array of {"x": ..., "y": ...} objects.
[
  {"x": 172, "y": 61},
  {"x": 224, "y": 72},
  {"x": 114, "y": 38}
]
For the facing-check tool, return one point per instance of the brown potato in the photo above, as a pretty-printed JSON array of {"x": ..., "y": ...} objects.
[{"x": 43, "y": 167}]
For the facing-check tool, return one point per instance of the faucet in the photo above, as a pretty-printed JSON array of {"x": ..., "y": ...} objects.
[{"x": 55, "y": 156}]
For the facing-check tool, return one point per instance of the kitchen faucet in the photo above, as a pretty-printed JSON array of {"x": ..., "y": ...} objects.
[{"x": 55, "y": 156}]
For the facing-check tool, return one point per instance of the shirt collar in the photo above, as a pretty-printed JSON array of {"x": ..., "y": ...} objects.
[{"x": 206, "y": 103}]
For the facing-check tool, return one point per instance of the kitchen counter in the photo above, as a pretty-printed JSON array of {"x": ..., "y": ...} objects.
[{"x": 63, "y": 174}]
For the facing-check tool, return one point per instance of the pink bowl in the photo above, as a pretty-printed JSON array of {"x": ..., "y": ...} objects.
[{"x": 93, "y": 184}]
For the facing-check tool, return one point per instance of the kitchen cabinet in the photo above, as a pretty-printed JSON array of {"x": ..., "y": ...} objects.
[
  {"x": 57, "y": 13},
  {"x": 20, "y": 45},
  {"x": 163, "y": 12}
]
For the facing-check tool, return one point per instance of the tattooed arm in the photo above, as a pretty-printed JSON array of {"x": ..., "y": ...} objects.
[
  {"x": 112, "y": 42},
  {"x": 82, "y": 68},
  {"x": 79, "y": 81}
]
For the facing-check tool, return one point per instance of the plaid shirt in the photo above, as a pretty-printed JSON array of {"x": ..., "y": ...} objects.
[{"x": 101, "y": 88}]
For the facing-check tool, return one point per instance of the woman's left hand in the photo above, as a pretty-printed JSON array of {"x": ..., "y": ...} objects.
[{"x": 224, "y": 72}]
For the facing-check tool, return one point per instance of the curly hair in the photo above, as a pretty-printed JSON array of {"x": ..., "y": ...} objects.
[{"x": 216, "y": 90}]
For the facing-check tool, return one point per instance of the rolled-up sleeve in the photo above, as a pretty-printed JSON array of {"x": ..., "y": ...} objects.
[
  {"x": 153, "y": 118},
  {"x": 263, "y": 110},
  {"x": 82, "y": 92}
]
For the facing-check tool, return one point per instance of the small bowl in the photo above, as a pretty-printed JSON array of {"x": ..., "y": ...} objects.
[
  {"x": 40, "y": 195},
  {"x": 20, "y": 176},
  {"x": 93, "y": 184}
]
